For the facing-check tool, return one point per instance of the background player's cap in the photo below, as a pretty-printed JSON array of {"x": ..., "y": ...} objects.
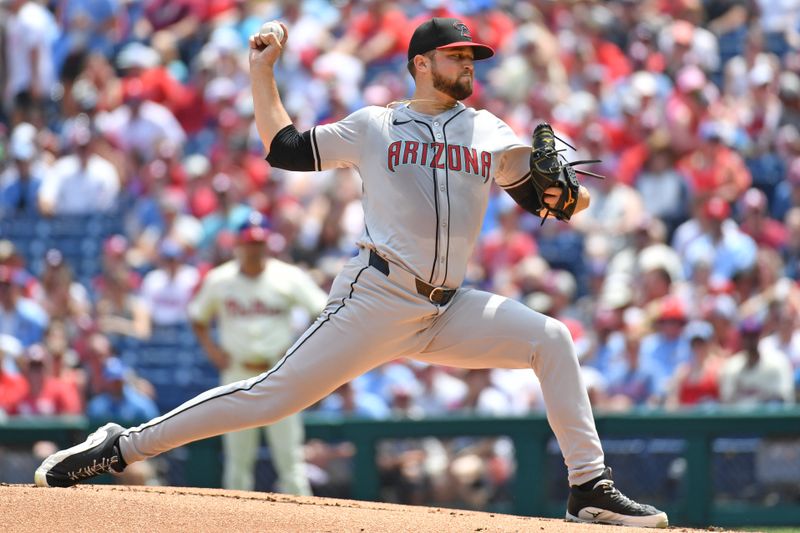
[
  {"x": 439, "y": 33},
  {"x": 698, "y": 329},
  {"x": 170, "y": 250},
  {"x": 716, "y": 208},
  {"x": 254, "y": 229},
  {"x": 672, "y": 309},
  {"x": 114, "y": 369}
]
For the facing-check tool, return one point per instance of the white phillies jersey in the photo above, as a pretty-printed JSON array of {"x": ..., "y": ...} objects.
[
  {"x": 426, "y": 180},
  {"x": 254, "y": 314}
]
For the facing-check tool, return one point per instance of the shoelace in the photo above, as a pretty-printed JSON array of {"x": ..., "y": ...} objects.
[
  {"x": 96, "y": 468},
  {"x": 609, "y": 488}
]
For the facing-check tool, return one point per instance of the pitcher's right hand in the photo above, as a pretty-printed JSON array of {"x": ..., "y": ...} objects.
[{"x": 265, "y": 49}]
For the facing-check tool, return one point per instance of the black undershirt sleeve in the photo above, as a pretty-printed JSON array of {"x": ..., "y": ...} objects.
[
  {"x": 291, "y": 150},
  {"x": 524, "y": 193}
]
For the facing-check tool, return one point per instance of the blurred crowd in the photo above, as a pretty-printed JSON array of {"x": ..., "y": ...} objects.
[{"x": 679, "y": 283}]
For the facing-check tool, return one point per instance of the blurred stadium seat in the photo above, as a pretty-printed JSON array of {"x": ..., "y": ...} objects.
[{"x": 173, "y": 361}]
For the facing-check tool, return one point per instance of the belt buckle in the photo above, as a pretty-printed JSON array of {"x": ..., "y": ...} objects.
[{"x": 436, "y": 295}]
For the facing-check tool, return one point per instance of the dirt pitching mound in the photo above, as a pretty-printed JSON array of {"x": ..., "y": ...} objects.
[{"x": 109, "y": 508}]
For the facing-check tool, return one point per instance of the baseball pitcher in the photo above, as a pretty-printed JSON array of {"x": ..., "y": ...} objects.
[
  {"x": 252, "y": 299},
  {"x": 426, "y": 167}
]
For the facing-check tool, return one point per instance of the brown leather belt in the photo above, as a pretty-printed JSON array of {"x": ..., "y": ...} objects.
[
  {"x": 436, "y": 295},
  {"x": 256, "y": 367}
]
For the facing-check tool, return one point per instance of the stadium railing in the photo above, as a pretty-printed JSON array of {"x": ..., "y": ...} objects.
[{"x": 695, "y": 503}]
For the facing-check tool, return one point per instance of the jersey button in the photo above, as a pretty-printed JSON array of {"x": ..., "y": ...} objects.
[
  {"x": 441, "y": 188},
  {"x": 435, "y": 123},
  {"x": 438, "y": 135},
  {"x": 444, "y": 224}
]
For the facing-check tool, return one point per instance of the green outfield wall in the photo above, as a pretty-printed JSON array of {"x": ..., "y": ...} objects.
[{"x": 693, "y": 505}]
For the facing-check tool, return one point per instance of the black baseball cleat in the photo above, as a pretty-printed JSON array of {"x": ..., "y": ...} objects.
[
  {"x": 98, "y": 454},
  {"x": 599, "y": 501}
]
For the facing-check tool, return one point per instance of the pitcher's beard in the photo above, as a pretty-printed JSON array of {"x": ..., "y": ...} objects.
[{"x": 459, "y": 89}]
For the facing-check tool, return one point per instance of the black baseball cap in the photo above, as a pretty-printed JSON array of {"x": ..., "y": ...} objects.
[{"x": 440, "y": 33}]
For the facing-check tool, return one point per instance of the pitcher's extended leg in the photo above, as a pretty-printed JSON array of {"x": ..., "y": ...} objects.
[
  {"x": 368, "y": 321},
  {"x": 349, "y": 338},
  {"x": 483, "y": 330}
]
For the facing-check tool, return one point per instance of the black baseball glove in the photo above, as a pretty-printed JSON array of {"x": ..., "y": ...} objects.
[{"x": 551, "y": 169}]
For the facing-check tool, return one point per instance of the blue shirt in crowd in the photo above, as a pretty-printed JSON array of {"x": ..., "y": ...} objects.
[
  {"x": 131, "y": 406},
  {"x": 660, "y": 356}
]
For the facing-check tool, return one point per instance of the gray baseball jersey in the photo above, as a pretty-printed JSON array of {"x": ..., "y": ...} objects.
[
  {"x": 426, "y": 180},
  {"x": 426, "y": 185}
]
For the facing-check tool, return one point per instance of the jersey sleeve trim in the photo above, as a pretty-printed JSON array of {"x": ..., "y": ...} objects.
[
  {"x": 524, "y": 193},
  {"x": 516, "y": 183},
  {"x": 315, "y": 146}
]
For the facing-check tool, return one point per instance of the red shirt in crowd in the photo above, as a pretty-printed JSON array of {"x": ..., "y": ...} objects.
[
  {"x": 393, "y": 22},
  {"x": 767, "y": 232},
  {"x": 703, "y": 388},
  {"x": 13, "y": 388},
  {"x": 493, "y": 28},
  {"x": 164, "y": 13},
  {"x": 57, "y": 397},
  {"x": 500, "y": 250},
  {"x": 719, "y": 171}
]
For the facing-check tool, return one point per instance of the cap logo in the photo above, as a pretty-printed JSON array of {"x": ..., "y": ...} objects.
[{"x": 461, "y": 27}]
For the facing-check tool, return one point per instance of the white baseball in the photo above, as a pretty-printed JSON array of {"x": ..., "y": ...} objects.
[{"x": 271, "y": 27}]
